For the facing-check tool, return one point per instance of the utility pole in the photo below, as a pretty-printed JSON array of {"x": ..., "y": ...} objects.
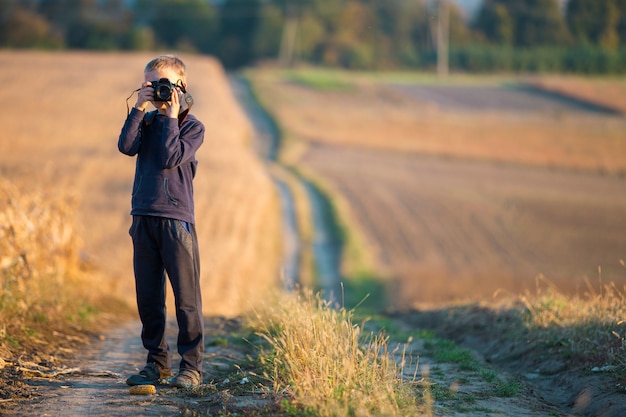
[
  {"x": 443, "y": 38},
  {"x": 290, "y": 31}
]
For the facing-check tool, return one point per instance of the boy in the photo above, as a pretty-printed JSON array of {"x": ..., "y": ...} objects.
[{"x": 163, "y": 228}]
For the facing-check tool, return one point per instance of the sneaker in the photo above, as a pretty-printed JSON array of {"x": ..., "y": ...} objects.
[
  {"x": 151, "y": 374},
  {"x": 187, "y": 378}
]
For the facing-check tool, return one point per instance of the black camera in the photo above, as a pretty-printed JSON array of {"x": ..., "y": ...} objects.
[{"x": 163, "y": 89}]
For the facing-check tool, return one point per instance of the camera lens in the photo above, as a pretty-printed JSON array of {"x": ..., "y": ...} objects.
[{"x": 163, "y": 92}]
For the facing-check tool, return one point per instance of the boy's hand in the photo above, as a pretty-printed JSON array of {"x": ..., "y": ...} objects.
[
  {"x": 172, "y": 107},
  {"x": 144, "y": 96}
]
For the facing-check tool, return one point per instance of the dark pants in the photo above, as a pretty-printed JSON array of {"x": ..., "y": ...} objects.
[{"x": 166, "y": 245}]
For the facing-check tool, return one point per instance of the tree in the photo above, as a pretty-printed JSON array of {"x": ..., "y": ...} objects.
[
  {"x": 90, "y": 24},
  {"x": 496, "y": 23},
  {"x": 183, "y": 24},
  {"x": 621, "y": 23},
  {"x": 524, "y": 23},
  {"x": 310, "y": 35},
  {"x": 22, "y": 27},
  {"x": 268, "y": 34},
  {"x": 596, "y": 21},
  {"x": 238, "y": 24}
]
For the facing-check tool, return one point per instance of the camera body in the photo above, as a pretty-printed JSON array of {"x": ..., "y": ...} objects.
[{"x": 163, "y": 89}]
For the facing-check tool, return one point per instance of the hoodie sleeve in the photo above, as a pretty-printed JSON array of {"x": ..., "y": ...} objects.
[
  {"x": 181, "y": 143},
  {"x": 130, "y": 137}
]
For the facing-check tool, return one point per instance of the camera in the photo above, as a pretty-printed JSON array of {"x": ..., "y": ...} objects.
[{"x": 163, "y": 89}]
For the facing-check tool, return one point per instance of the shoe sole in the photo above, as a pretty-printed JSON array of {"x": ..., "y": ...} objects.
[
  {"x": 160, "y": 381},
  {"x": 135, "y": 384}
]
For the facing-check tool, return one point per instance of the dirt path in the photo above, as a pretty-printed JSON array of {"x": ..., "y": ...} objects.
[
  {"x": 97, "y": 388},
  {"x": 232, "y": 383},
  {"x": 84, "y": 395}
]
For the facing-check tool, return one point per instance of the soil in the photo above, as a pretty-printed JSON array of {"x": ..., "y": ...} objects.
[
  {"x": 93, "y": 382},
  {"x": 448, "y": 229}
]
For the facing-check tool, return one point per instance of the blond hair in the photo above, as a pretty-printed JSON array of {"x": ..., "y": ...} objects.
[{"x": 168, "y": 61}]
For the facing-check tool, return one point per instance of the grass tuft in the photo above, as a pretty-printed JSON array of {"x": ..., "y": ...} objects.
[
  {"x": 328, "y": 364},
  {"x": 591, "y": 326}
]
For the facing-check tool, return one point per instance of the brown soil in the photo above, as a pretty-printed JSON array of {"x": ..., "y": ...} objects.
[
  {"x": 96, "y": 384},
  {"x": 447, "y": 229},
  {"x": 567, "y": 385},
  {"x": 93, "y": 382}
]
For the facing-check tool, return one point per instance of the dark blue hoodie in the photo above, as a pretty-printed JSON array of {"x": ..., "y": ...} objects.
[{"x": 166, "y": 163}]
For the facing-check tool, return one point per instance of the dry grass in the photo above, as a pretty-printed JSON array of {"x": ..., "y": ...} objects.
[
  {"x": 41, "y": 275},
  {"x": 592, "y": 326},
  {"x": 61, "y": 135},
  {"x": 329, "y": 365}
]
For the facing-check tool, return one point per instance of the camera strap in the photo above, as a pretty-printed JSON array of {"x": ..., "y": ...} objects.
[
  {"x": 183, "y": 114},
  {"x": 128, "y": 98}
]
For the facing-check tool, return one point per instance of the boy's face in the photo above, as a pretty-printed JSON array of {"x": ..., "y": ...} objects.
[{"x": 156, "y": 75}]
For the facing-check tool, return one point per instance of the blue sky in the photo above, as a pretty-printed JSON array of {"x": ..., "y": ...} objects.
[{"x": 468, "y": 6}]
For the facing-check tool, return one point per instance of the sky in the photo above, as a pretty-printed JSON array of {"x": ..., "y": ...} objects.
[{"x": 470, "y": 7}]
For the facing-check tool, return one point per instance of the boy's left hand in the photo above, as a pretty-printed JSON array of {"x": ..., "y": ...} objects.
[{"x": 173, "y": 106}]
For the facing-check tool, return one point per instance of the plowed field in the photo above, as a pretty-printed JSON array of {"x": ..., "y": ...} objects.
[
  {"x": 448, "y": 229},
  {"x": 469, "y": 188}
]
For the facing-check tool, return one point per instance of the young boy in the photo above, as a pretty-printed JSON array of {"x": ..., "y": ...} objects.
[{"x": 163, "y": 231}]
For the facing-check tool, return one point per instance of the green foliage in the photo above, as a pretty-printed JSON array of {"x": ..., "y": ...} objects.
[
  {"x": 447, "y": 351},
  {"x": 325, "y": 80},
  {"x": 580, "y": 60},
  {"x": 186, "y": 24},
  {"x": 597, "y": 22},
  {"x": 22, "y": 27},
  {"x": 506, "y": 389},
  {"x": 496, "y": 23},
  {"x": 588, "y": 36},
  {"x": 238, "y": 23},
  {"x": 522, "y": 23},
  {"x": 268, "y": 33}
]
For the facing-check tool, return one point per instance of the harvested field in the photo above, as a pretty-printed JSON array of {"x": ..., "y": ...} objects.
[
  {"x": 447, "y": 229},
  {"x": 510, "y": 99},
  {"x": 66, "y": 111},
  {"x": 610, "y": 92},
  {"x": 467, "y": 188}
]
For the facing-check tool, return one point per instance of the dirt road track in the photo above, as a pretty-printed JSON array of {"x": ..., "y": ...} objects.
[
  {"x": 120, "y": 353},
  {"x": 81, "y": 395}
]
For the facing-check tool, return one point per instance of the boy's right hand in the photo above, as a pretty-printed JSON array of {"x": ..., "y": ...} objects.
[{"x": 144, "y": 96}]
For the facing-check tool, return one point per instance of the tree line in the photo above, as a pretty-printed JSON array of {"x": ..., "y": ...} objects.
[{"x": 505, "y": 35}]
